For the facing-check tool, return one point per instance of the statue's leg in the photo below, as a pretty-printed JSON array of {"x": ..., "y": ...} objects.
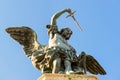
[
  {"x": 56, "y": 65},
  {"x": 68, "y": 68}
]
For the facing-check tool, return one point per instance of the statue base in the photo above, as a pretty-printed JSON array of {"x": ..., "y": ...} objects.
[{"x": 47, "y": 76}]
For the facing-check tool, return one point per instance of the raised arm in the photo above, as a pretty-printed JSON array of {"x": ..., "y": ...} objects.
[
  {"x": 58, "y": 14},
  {"x": 52, "y": 28}
]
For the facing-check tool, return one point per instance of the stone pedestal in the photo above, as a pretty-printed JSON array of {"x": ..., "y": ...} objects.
[{"x": 67, "y": 77}]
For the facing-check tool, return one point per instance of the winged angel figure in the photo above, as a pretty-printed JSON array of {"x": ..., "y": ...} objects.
[{"x": 58, "y": 56}]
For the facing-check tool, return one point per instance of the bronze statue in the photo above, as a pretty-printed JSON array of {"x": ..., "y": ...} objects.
[{"x": 57, "y": 56}]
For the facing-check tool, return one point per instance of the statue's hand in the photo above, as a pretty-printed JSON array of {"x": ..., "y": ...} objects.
[{"x": 69, "y": 10}]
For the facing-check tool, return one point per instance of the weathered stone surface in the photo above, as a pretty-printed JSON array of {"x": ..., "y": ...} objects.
[{"x": 67, "y": 77}]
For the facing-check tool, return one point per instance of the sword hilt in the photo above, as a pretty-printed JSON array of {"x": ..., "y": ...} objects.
[{"x": 70, "y": 14}]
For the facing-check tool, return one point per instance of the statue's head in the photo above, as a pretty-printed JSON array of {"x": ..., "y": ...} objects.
[{"x": 66, "y": 33}]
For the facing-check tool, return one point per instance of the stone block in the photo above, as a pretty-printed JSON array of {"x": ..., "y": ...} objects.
[{"x": 67, "y": 77}]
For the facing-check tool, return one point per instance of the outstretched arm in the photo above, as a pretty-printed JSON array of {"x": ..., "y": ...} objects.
[
  {"x": 57, "y": 15},
  {"x": 52, "y": 28}
]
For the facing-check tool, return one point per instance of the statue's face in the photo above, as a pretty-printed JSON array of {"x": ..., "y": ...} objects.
[{"x": 67, "y": 33}]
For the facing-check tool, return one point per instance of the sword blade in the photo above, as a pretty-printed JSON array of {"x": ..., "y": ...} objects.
[{"x": 77, "y": 23}]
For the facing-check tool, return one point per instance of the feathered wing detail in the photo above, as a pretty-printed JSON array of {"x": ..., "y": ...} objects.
[
  {"x": 26, "y": 37},
  {"x": 93, "y": 66},
  {"x": 90, "y": 64}
]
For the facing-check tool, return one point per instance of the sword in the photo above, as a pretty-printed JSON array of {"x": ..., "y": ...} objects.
[{"x": 72, "y": 15}]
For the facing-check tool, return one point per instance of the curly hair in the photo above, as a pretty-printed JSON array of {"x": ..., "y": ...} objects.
[{"x": 62, "y": 32}]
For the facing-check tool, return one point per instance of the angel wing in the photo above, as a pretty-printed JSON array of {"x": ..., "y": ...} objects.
[
  {"x": 90, "y": 64},
  {"x": 26, "y": 37}
]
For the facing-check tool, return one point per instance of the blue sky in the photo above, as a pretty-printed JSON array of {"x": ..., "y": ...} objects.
[{"x": 100, "y": 38}]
